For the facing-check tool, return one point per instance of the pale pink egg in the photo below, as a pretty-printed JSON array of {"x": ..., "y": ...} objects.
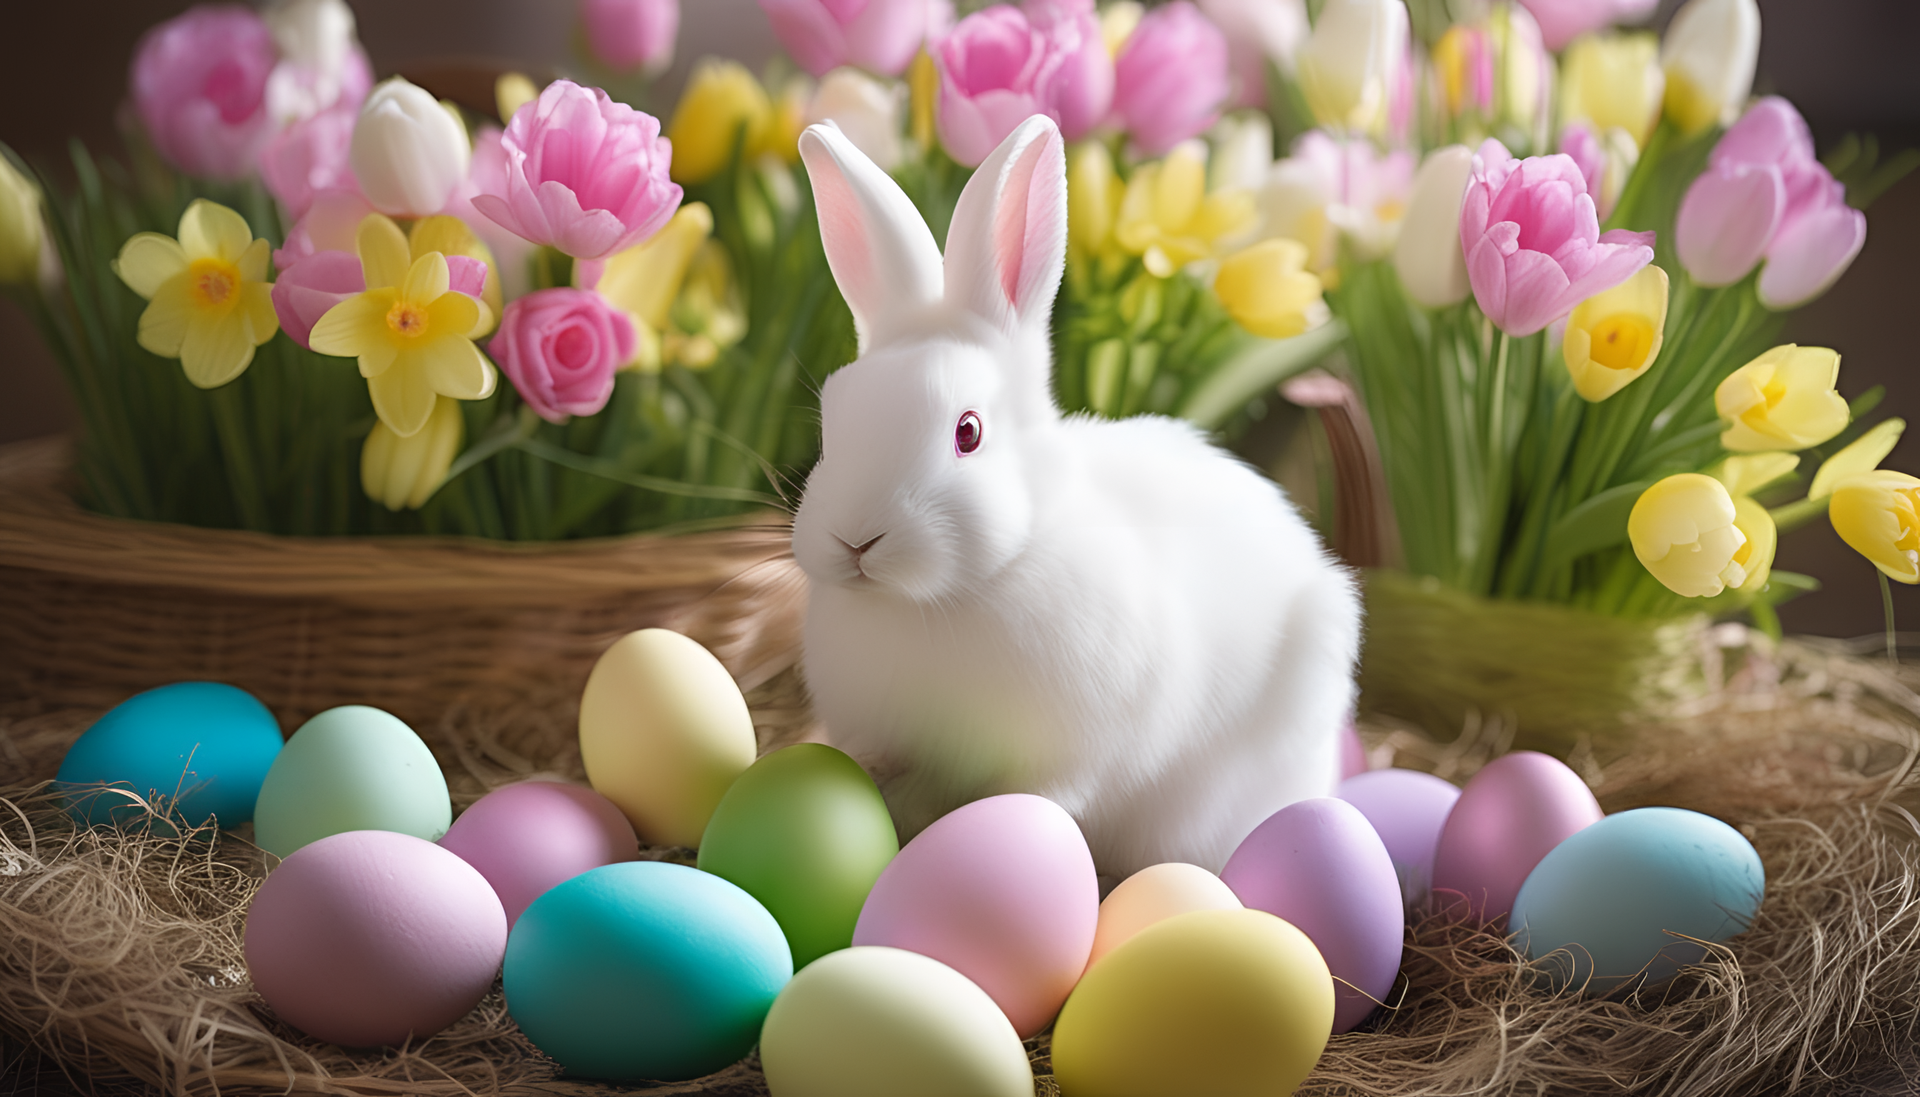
[
  {"x": 1510, "y": 815},
  {"x": 1154, "y": 894},
  {"x": 527, "y": 837},
  {"x": 1407, "y": 809},
  {"x": 1002, "y": 891}
]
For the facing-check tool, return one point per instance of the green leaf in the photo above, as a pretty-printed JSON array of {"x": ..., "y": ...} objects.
[
  {"x": 1598, "y": 523},
  {"x": 1258, "y": 367}
]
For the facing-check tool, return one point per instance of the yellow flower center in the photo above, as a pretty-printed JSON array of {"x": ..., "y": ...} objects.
[
  {"x": 407, "y": 319},
  {"x": 213, "y": 283},
  {"x": 1620, "y": 341}
]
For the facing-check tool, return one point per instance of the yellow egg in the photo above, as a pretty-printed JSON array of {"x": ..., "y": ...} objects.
[
  {"x": 1154, "y": 894},
  {"x": 663, "y": 732},
  {"x": 1212, "y": 1002}
]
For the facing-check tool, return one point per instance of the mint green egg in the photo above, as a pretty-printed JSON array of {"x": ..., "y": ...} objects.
[
  {"x": 351, "y": 768},
  {"x": 805, "y": 832}
]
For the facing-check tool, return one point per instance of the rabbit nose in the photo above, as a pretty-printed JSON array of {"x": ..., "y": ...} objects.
[{"x": 861, "y": 548}]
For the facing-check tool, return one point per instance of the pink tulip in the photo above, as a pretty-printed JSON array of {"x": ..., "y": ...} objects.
[
  {"x": 1561, "y": 21},
  {"x": 310, "y": 286},
  {"x": 1258, "y": 32},
  {"x": 632, "y": 34},
  {"x": 1578, "y": 142},
  {"x": 1533, "y": 243},
  {"x": 1171, "y": 79},
  {"x": 584, "y": 174},
  {"x": 561, "y": 347},
  {"x": 1078, "y": 92},
  {"x": 878, "y": 35},
  {"x": 487, "y": 174},
  {"x": 1730, "y": 214},
  {"x": 331, "y": 223},
  {"x": 991, "y": 69},
  {"x": 310, "y": 156},
  {"x": 199, "y": 83}
]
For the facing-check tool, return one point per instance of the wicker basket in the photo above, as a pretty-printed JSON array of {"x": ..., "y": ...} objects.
[{"x": 93, "y": 609}]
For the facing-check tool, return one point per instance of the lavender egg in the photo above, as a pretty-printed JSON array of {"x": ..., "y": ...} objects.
[
  {"x": 1407, "y": 809},
  {"x": 1510, "y": 815},
  {"x": 527, "y": 837}
]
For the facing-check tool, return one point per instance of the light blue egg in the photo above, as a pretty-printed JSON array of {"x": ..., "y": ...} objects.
[
  {"x": 1616, "y": 899},
  {"x": 645, "y": 970},
  {"x": 203, "y": 746}
]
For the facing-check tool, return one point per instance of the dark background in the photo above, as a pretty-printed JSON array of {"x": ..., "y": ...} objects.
[{"x": 1849, "y": 65}]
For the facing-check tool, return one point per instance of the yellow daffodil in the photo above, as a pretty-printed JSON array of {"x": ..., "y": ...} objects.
[
  {"x": 721, "y": 99},
  {"x": 1094, "y": 194},
  {"x": 399, "y": 472},
  {"x": 1614, "y": 336},
  {"x": 1876, "y": 515},
  {"x": 1613, "y": 80},
  {"x": 1266, "y": 289},
  {"x": 1748, "y": 474},
  {"x": 412, "y": 334},
  {"x": 1168, "y": 218},
  {"x": 20, "y": 233},
  {"x": 1683, "y": 530},
  {"x": 644, "y": 280},
  {"x": 1783, "y": 399},
  {"x": 1861, "y": 456},
  {"x": 208, "y": 302},
  {"x": 450, "y": 236}
]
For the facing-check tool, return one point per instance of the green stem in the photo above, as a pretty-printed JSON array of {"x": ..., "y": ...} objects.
[
  {"x": 1886, "y": 604},
  {"x": 238, "y": 459}
]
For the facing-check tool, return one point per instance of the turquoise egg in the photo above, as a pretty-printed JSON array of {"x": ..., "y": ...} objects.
[
  {"x": 351, "y": 768},
  {"x": 644, "y": 970},
  {"x": 1616, "y": 899},
  {"x": 203, "y": 746}
]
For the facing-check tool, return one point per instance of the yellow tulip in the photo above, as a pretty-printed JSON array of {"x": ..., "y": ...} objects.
[
  {"x": 708, "y": 316},
  {"x": 722, "y": 99},
  {"x": 1266, "y": 290},
  {"x": 1614, "y": 336},
  {"x": 511, "y": 91},
  {"x": 1683, "y": 530},
  {"x": 645, "y": 278},
  {"x": 21, "y": 234},
  {"x": 412, "y": 334},
  {"x": 1613, "y": 80},
  {"x": 1783, "y": 399},
  {"x": 1168, "y": 218},
  {"x": 1748, "y": 474},
  {"x": 1346, "y": 65},
  {"x": 923, "y": 88},
  {"x": 782, "y": 137},
  {"x": 401, "y": 472},
  {"x": 1878, "y": 515},
  {"x": 208, "y": 300},
  {"x": 1117, "y": 23},
  {"x": 451, "y": 236},
  {"x": 1861, "y": 456},
  {"x": 1755, "y": 556},
  {"x": 1094, "y": 194},
  {"x": 1709, "y": 56}
]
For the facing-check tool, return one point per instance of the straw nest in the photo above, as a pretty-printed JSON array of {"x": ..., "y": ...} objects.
[{"x": 121, "y": 965}]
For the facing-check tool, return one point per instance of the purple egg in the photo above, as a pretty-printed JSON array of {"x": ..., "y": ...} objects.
[
  {"x": 1407, "y": 809},
  {"x": 1318, "y": 865},
  {"x": 1353, "y": 753},
  {"x": 1510, "y": 815},
  {"x": 527, "y": 837}
]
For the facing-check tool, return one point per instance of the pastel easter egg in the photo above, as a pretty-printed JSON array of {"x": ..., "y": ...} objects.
[
  {"x": 644, "y": 970},
  {"x": 1154, "y": 894},
  {"x": 879, "y": 1022},
  {"x": 1407, "y": 809},
  {"x": 804, "y": 831},
  {"x": 1319, "y": 865},
  {"x": 350, "y": 768},
  {"x": 1001, "y": 890},
  {"x": 371, "y": 937},
  {"x": 663, "y": 732},
  {"x": 1517, "y": 808},
  {"x": 1353, "y": 752},
  {"x": 1620, "y": 897},
  {"x": 1211, "y": 1003},
  {"x": 527, "y": 837},
  {"x": 203, "y": 747}
]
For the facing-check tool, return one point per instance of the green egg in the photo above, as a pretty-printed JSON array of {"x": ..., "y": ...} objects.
[
  {"x": 350, "y": 768},
  {"x": 804, "y": 831}
]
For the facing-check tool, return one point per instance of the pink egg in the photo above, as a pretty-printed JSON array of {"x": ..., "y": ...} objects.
[
  {"x": 526, "y": 838},
  {"x": 370, "y": 937},
  {"x": 1154, "y": 894},
  {"x": 1353, "y": 752},
  {"x": 1318, "y": 865},
  {"x": 1510, "y": 815},
  {"x": 1407, "y": 809},
  {"x": 1002, "y": 891}
]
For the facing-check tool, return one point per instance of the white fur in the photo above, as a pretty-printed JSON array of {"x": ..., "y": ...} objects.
[{"x": 1118, "y": 616}]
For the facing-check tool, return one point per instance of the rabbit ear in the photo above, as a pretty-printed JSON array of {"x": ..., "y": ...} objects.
[
  {"x": 878, "y": 245},
  {"x": 1008, "y": 242}
]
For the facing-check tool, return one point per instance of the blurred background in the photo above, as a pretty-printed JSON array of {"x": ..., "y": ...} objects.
[{"x": 1849, "y": 65}]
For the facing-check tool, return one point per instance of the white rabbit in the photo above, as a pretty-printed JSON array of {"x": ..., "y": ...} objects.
[{"x": 1118, "y": 616}]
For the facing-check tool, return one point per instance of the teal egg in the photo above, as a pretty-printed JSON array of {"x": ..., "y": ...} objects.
[
  {"x": 1617, "y": 898},
  {"x": 203, "y": 746},
  {"x": 351, "y": 768},
  {"x": 644, "y": 970}
]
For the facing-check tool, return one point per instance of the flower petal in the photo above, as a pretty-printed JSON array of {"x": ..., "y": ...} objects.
[
  {"x": 256, "y": 304},
  {"x": 253, "y": 261},
  {"x": 148, "y": 259},
  {"x": 1810, "y": 255},
  {"x": 384, "y": 256},
  {"x": 455, "y": 367},
  {"x": 163, "y": 326},
  {"x": 402, "y": 396},
  {"x": 427, "y": 280},
  {"x": 209, "y": 230},
  {"x": 216, "y": 349},
  {"x": 354, "y": 325},
  {"x": 457, "y": 314}
]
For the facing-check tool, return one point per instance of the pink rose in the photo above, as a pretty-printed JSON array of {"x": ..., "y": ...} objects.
[
  {"x": 560, "y": 347},
  {"x": 310, "y": 156},
  {"x": 878, "y": 35},
  {"x": 1533, "y": 243},
  {"x": 199, "y": 83},
  {"x": 1561, "y": 21},
  {"x": 1170, "y": 80},
  {"x": 584, "y": 174},
  {"x": 632, "y": 34}
]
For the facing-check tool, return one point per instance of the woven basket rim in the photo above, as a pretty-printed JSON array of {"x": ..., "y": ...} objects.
[{"x": 43, "y": 529}]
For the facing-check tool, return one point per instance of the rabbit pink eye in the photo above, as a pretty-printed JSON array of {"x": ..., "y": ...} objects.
[{"x": 966, "y": 433}]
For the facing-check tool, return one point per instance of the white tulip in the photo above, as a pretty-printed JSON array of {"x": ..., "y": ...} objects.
[
  {"x": 1709, "y": 55},
  {"x": 1293, "y": 205},
  {"x": 1427, "y": 257},
  {"x": 1242, "y": 152},
  {"x": 1347, "y": 65},
  {"x": 1276, "y": 28},
  {"x": 866, "y": 110},
  {"x": 408, "y": 151},
  {"x": 316, "y": 43}
]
